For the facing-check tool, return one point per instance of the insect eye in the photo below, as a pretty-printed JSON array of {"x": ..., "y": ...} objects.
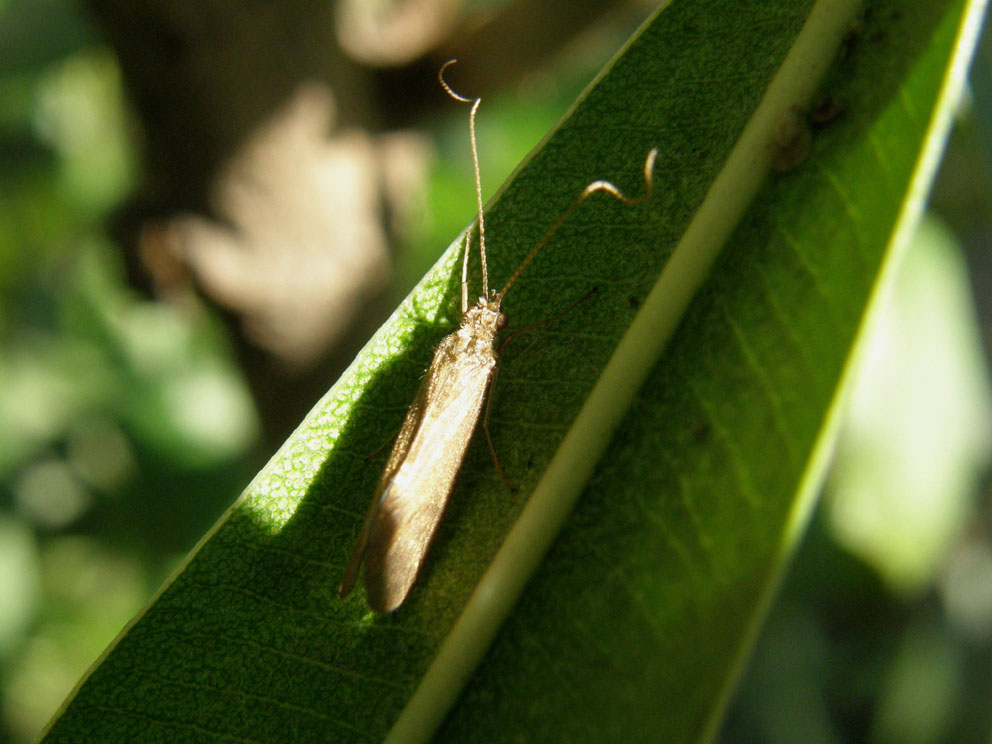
[{"x": 500, "y": 322}]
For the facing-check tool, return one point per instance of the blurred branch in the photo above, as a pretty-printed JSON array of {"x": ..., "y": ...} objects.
[{"x": 263, "y": 185}]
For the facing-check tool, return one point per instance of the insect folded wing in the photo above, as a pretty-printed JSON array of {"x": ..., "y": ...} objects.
[{"x": 417, "y": 482}]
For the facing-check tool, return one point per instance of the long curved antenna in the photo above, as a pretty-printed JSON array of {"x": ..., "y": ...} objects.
[
  {"x": 465, "y": 252},
  {"x": 475, "y": 163},
  {"x": 586, "y": 193}
]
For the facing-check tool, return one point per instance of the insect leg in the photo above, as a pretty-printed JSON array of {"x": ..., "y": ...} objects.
[
  {"x": 561, "y": 314},
  {"x": 485, "y": 428}
]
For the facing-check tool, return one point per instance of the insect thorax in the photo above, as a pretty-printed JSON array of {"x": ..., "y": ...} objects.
[{"x": 479, "y": 327}]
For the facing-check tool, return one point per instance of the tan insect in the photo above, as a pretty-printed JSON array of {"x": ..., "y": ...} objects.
[{"x": 414, "y": 488}]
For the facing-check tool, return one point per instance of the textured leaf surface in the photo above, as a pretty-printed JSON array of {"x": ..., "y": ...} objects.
[{"x": 635, "y": 623}]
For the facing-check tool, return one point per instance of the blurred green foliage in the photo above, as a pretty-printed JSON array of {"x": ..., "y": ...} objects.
[{"x": 121, "y": 419}]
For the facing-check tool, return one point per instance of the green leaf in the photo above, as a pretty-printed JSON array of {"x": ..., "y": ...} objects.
[{"x": 634, "y": 624}]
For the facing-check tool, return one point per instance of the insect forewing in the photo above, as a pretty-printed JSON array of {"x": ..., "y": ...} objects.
[{"x": 415, "y": 486}]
